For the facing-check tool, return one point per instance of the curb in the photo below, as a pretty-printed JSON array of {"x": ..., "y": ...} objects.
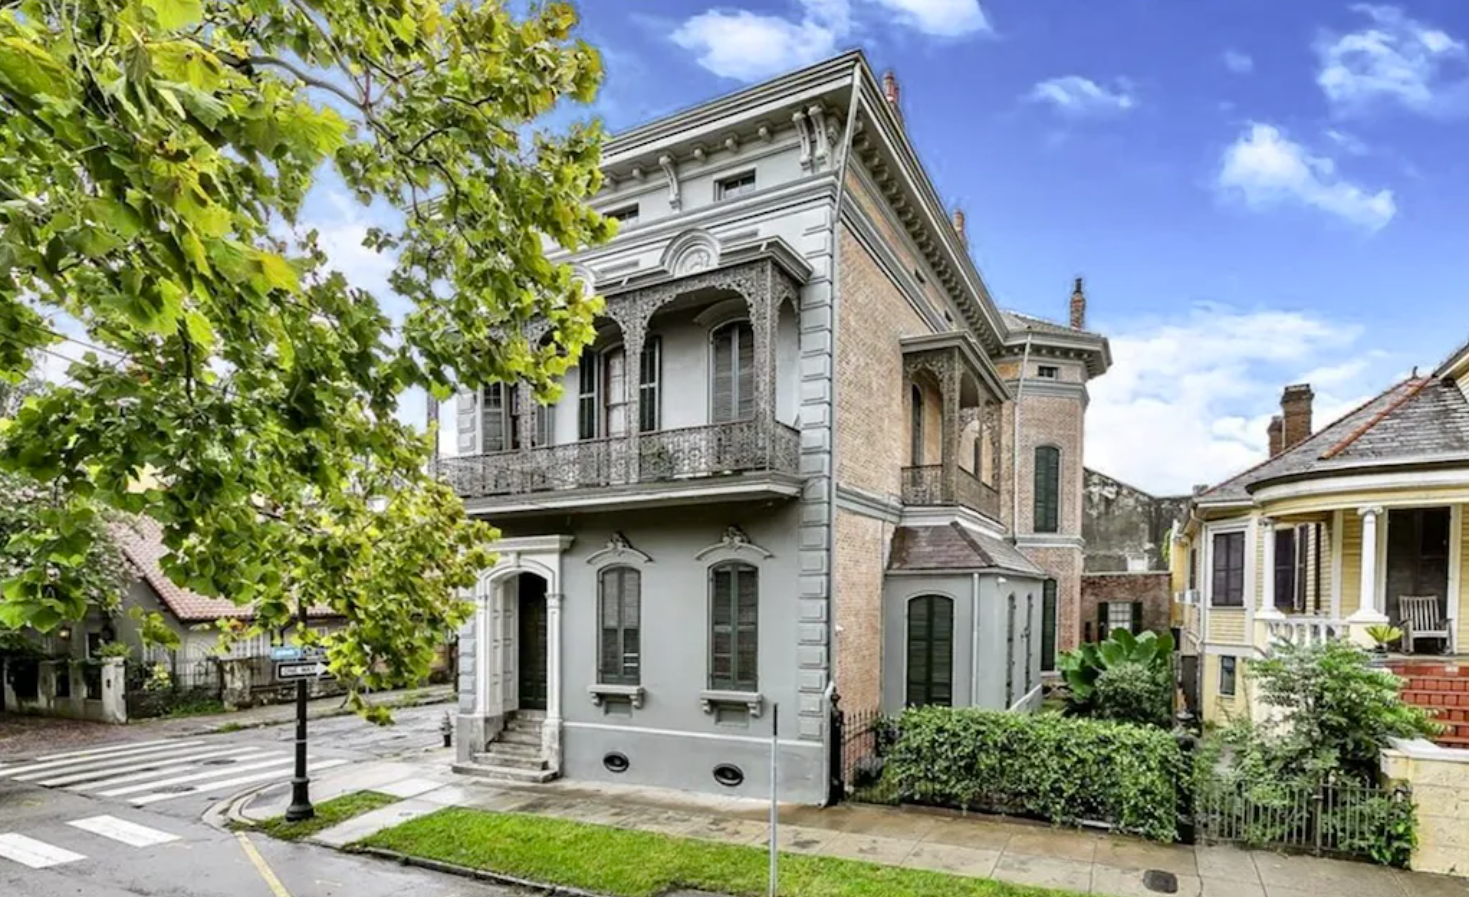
[{"x": 404, "y": 859}]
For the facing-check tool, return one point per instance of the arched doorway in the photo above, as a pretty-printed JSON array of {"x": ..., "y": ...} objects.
[
  {"x": 531, "y": 628},
  {"x": 930, "y": 673}
]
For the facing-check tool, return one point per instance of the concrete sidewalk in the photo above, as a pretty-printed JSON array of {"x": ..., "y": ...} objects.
[{"x": 979, "y": 846}]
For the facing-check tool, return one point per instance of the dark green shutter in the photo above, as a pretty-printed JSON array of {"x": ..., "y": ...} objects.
[
  {"x": 734, "y": 635},
  {"x": 1047, "y": 498},
  {"x": 1102, "y": 629},
  {"x": 915, "y": 448},
  {"x": 930, "y": 651},
  {"x": 1048, "y": 625},
  {"x": 1137, "y": 617}
]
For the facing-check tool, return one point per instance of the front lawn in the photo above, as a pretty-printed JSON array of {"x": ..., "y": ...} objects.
[
  {"x": 624, "y": 863},
  {"x": 328, "y": 814}
]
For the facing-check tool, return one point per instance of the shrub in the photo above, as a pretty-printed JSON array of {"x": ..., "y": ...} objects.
[
  {"x": 1127, "y": 678},
  {"x": 1061, "y": 769}
]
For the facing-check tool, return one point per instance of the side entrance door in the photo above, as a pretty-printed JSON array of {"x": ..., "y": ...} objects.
[{"x": 532, "y": 638}]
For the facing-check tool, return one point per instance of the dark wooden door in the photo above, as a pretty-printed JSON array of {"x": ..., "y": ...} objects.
[
  {"x": 532, "y": 640},
  {"x": 1417, "y": 556},
  {"x": 930, "y": 651}
]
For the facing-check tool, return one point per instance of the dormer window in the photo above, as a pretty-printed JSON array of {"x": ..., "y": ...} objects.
[
  {"x": 624, "y": 215},
  {"x": 1048, "y": 372},
  {"x": 739, "y": 185}
]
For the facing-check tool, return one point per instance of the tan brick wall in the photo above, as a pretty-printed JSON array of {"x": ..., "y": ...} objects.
[
  {"x": 1152, "y": 589},
  {"x": 861, "y": 549},
  {"x": 1064, "y": 566},
  {"x": 1046, "y": 420},
  {"x": 872, "y": 412}
]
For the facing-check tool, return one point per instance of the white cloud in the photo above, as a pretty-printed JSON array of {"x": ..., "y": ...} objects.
[
  {"x": 1347, "y": 141},
  {"x": 1265, "y": 169},
  {"x": 1238, "y": 62},
  {"x": 749, "y": 46},
  {"x": 1075, "y": 95},
  {"x": 1394, "y": 59},
  {"x": 1187, "y": 400}
]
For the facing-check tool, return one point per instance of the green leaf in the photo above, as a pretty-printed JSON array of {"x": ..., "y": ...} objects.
[
  {"x": 175, "y": 14},
  {"x": 277, "y": 273},
  {"x": 31, "y": 71},
  {"x": 199, "y": 329}
]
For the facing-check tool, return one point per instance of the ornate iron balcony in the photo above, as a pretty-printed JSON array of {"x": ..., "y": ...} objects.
[
  {"x": 927, "y": 486},
  {"x": 690, "y": 453}
]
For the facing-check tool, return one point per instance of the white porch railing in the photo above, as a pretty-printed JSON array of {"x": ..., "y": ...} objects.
[{"x": 1306, "y": 630}]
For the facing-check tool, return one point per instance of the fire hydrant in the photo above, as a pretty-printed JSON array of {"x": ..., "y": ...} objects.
[{"x": 446, "y": 729}]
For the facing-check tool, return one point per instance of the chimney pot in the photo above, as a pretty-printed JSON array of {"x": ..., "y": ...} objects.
[
  {"x": 1078, "y": 307},
  {"x": 959, "y": 226},
  {"x": 1295, "y": 411},
  {"x": 891, "y": 91},
  {"x": 1276, "y": 433}
]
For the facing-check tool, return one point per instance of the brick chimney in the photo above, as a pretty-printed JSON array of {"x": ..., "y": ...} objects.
[
  {"x": 959, "y": 226},
  {"x": 1078, "y": 307},
  {"x": 1276, "y": 430},
  {"x": 891, "y": 92},
  {"x": 1295, "y": 409}
]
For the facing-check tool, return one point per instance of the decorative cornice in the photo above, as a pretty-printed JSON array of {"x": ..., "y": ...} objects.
[
  {"x": 618, "y": 550},
  {"x": 868, "y": 504},
  {"x": 737, "y": 541},
  {"x": 1056, "y": 388},
  {"x": 670, "y": 171}
]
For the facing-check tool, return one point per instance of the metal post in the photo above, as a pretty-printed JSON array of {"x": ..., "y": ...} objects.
[
  {"x": 300, "y": 808},
  {"x": 774, "y": 794}
]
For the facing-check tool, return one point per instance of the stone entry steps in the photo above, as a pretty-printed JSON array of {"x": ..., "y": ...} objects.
[
  {"x": 1442, "y": 689},
  {"x": 515, "y": 754}
]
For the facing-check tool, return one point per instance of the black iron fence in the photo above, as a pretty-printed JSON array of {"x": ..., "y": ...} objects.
[{"x": 1341, "y": 819}]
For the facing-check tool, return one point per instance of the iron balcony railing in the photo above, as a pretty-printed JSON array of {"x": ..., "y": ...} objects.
[
  {"x": 666, "y": 455},
  {"x": 927, "y": 486}
]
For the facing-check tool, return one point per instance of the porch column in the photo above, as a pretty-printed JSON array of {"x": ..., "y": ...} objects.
[
  {"x": 551, "y": 731},
  {"x": 1268, "y": 610},
  {"x": 1369, "y": 611},
  {"x": 949, "y": 455}
]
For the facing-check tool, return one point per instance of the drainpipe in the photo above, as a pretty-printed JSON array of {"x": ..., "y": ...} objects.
[
  {"x": 974, "y": 647},
  {"x": 1015, "y": 444}
]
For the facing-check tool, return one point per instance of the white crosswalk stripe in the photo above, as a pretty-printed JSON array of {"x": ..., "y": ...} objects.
[
  {"x": 34, "y": 770},
  {"x": 129, "y": 833},
  {"x": 283, "y": 774},
  {"x": 33, "y": 853},
  {"x": 119, "y": 767},
  {"x": 218, "y": 773}
]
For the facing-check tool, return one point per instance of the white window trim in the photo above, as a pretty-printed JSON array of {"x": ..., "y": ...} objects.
[{"x": 1219, "y": 686}]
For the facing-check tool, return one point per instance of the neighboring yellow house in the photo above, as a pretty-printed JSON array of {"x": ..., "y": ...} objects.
[{"x": 1328, "y": 536}]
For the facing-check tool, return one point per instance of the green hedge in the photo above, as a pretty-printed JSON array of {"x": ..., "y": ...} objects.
[{"x": 1061, "y": 769}]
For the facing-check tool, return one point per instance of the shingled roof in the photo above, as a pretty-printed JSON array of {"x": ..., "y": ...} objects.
[
  {"x": 1416, "y": 420},
  {"x": 141, "y": 542},
  {"x": 1015, "y": 320},
  {"x": 954, "y": 547}
]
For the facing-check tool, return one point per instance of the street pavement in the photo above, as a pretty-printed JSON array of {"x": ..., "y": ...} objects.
[{"x": 124, "y": 818}]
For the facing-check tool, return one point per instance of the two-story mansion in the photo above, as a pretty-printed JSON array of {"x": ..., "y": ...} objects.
[{"x": 787, "y": 469}]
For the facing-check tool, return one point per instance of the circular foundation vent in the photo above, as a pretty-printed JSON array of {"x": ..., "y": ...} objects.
[
  {"x": 616, "y": 762},
  {"x": 729, "y": 775}
]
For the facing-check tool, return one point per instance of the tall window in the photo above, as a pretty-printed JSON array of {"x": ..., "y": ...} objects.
[
  {"x": 930, "y": 651},
  {"x": 1114, "y": 615},
  {"x": 503, "y": 426},
  {"x": 650, "y": 386},
  {"x": 619, "y": 599},
  {"x": 1292, "y": 550},
  {"x": 915, "y": 428},
  {"x": 734, "y": 633},
  {"x": 1227, "y": 674},
  {"x": 734, "y": 372},
  {"x": 1048, "y": 625},
  {"x": 589, "y": 396},
  {"x": 1228, "y": 570},
  {"x": 1047, "y": 489},
  {"x": 614, "y": 392}
]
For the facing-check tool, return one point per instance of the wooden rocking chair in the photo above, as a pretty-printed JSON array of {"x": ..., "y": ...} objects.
[{"x": 1421, "y": 619}]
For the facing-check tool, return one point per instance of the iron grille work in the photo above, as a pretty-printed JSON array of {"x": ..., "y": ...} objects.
[
  {"x": 927, "y": 486},
  {"x": 661, "y": 456}
]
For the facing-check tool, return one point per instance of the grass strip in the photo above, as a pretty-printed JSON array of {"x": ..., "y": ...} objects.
[
  {"x": 328, "y": 814},
  {"x": 624, "y": 863}
]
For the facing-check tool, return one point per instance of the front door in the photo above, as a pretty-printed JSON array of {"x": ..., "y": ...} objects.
[
  {"x": 531, "y": 635},
  {"x": 1417, "y": 556}
]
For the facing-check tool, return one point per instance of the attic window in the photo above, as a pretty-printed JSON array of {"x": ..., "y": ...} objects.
[
  {"x": 1048, "y": 372},
  {"x": 738, "y": 185},
  {"x": 624, "y": 215}
]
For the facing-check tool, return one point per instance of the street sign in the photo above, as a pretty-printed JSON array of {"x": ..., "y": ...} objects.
[
  {"x": 302, "y": 669},
  {"x": 295, "y": 652}
]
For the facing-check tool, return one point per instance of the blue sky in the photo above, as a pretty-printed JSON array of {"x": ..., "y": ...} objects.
[{"x": 1257, "y": 192}]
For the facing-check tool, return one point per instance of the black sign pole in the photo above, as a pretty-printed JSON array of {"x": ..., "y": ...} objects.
[{"x": 300, "y": 808}]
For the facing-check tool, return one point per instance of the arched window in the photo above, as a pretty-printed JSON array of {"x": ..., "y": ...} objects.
[
  {"x": 930, "y": 651},
  {"x": 915, "y": 448},
  {"x": 734, "y": 627},
  {"x": 619, "y": 639},
  {"x": 1047, "y": 489},
  {"x": 733, "y": 374}
]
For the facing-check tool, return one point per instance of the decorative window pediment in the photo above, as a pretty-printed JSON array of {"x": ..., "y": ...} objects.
[
  {"x": 736, "y": 542},
  {"x": 618, "y": 550},
  {"x": 690, "y": 252}
]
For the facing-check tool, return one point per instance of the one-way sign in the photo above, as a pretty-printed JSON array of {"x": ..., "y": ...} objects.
[{"x": 307, "y": 669}]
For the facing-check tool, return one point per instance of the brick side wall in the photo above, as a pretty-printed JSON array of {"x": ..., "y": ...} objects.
[
  {"x": 861, "y": 552},
  {"x": 1152, "y": 589},
  {"x": 872, "y": 401},
  {"x": 1064, "y": 566}
]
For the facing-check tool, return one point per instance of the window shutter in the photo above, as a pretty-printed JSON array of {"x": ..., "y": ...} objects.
[
  {"x": 614, "y": 364},
  {"x": 1048, "y": 625},
  {"x": 492, "y": 423},
  {"x": 587, "y": 401},
  {"x": 1047, "y": 497},
  {"x": 1102, "y": 630},
  {"x": 610, "y": 617},
  {"x": 915, "y": 448},
  {"x": 745, "y": 375},
  {"x": 649, "y": 385},
  {"x": 724, "y": 378},
  {"x": 1285, "y": 569},
  {"x": 721, "y": 629},
  {"x": 1137, "y": 617},
  {"x": 747, "y": 644},
  {"x": 467, "y": 409},
  {"x": 632, "y": 609},
  {"x": 919, "y": 628}
]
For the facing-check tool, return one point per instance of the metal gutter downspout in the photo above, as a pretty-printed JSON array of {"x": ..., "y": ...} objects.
[
  {"x": 974, "y": 649},
  {"x": 1015, "y": 443},
  {"x": 836, "y": 305}
]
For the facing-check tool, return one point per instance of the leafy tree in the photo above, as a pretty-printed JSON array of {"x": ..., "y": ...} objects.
[
  {"x": 1128, "y": 678},
  {"x": 154, "y": 158}
]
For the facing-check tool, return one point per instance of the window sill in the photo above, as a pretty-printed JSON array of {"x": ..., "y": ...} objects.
[
  {"x": 754, "y": 701},
  {"x": 600, "y": 693}
]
